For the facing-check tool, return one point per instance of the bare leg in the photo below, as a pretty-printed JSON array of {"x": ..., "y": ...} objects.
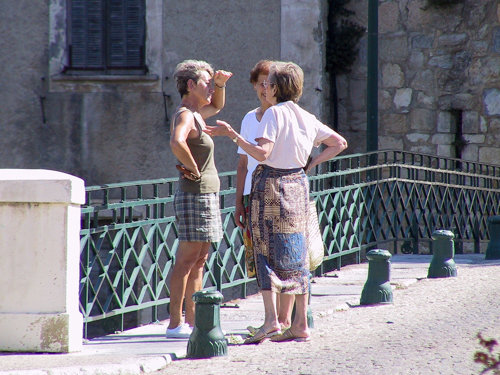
[
  {"x": 286, "y": 302},
  {"x": 271, "y": 317},
  {"x": 299, "y": 325},
  {"x": 187, "y": 256},
  {"x": 195, "y": 282}
]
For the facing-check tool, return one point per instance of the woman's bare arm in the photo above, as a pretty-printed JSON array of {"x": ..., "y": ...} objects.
[
  {"x": 260, "y": 151},
  {"x": 219, "y": 96},
  {"x": 241, "y": 174},
  {"x": 335, "y": 144}
]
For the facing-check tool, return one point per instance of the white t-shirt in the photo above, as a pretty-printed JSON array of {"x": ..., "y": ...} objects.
[
  {"x": 294, "y": 132},
  {"x": 249, "y": 126}
]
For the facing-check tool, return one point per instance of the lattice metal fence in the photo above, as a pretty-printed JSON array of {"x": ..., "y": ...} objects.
[{"x": 388, "y": 199}]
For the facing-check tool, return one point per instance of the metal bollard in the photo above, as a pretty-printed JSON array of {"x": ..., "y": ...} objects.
[
  {"x": 207, "y": 339},
  {"x": 442, "y": 263},
  {"x": 377, "y": 288},
  {"x": 493, "y": 249}
]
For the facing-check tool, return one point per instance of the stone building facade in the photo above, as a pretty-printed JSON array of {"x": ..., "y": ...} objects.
[
  {"x": 439, "y": 80},
  {"x": 439, "y": 76},
  {"x": 114, "y": 128}
]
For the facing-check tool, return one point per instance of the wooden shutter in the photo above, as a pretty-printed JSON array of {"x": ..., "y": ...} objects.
[
  {"x": 87, "y": 34},
  {"x": 107, "y": 35},
  {"x": 126, "y": 33}
]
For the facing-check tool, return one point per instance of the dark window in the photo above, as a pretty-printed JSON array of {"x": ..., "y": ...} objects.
[{"x": 106, "y": 36}]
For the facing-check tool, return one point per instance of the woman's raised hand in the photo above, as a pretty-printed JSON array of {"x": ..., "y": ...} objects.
[
  {"x": 221, "y": 77},
  {"x": 223, "y": 129}
]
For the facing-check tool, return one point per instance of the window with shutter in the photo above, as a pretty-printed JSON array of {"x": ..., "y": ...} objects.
[{"x": 106, "y": 37}]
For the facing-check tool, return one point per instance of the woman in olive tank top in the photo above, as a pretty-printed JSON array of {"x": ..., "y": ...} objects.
[{"x": 196, "y": 200}]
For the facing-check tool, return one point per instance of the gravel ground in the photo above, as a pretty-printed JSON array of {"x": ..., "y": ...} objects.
[{"x": 430, "y": 329}]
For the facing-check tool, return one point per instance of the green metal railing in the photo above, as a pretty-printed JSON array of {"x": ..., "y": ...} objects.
[{"x": 385, "y": 199}]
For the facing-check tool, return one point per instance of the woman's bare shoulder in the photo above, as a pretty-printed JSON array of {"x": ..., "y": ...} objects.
[{"x": 183, "y": 116}]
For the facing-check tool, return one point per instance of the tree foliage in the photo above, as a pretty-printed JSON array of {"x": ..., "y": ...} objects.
[{"x": 342, "y": 38}]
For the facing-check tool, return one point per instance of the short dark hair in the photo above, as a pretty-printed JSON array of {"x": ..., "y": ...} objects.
[
  {"x": 190, "y": 69},
  {"x": 262, "y": 67},
  {"x": 288, "y": 78}
]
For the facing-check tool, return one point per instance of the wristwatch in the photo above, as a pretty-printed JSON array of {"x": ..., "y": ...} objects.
[{"x": 235, "y": 139}]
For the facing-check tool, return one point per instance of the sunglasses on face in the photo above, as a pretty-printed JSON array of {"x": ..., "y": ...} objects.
[{"x": 265, "y": 84}]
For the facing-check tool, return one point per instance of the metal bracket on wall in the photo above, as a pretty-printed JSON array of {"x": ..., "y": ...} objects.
[
  {"x": 166, "y": 98},
  {"x": 42, "y": 101}
]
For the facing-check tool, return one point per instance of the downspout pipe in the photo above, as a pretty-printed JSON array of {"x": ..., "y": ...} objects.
[{"x": 372, "y": 78}]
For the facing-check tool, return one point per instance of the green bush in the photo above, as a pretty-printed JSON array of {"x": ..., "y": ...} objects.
[{"x": 342, "y": 38}]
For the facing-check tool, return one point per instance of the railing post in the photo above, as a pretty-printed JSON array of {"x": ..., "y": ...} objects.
[
  {"x": 218, "y": 269},
  {"x": 458, "y": 241},
  {"x": 493, "y": 250},
  {"x": 40, "y": 221},
  {"x": 372, "y": 203},
  {"x": 414, "y": 230},
  {"x": 477, "y": 237}
]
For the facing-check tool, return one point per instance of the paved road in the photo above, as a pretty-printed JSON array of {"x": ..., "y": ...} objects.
[{"x": 430, "y": 329}]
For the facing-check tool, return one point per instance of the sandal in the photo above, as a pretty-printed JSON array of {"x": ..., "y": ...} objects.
[
  {"x": 254, "y": 330},
  {"x": 289, "y": 336},
  {"x": 261, "y": 335}
]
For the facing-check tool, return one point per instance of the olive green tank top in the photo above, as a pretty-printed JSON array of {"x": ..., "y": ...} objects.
[{"x": 202, "y": 149}]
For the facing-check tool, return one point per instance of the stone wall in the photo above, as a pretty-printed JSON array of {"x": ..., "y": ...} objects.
[{"x": 439, "y": 75}]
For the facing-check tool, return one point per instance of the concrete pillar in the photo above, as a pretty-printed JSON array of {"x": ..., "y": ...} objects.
[{"x": 39, "y": 261}]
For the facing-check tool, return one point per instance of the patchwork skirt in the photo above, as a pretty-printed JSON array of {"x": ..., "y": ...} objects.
[{"x": 278, "y": 215}]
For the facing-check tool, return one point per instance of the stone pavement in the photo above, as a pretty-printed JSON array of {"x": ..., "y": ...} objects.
[{"x": 430, "y": 329}]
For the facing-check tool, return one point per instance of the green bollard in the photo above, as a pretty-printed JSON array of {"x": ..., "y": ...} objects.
[
  {"x": 207, "y": 339},
  {"x": 377, "y": 288},
  {"x": 442, "y": 263},
  {"x": 493, "y": 249}
]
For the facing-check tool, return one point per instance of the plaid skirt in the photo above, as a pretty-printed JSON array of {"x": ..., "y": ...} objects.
[
  {"x": 278, "y": 215},
  {"x": 198, "y": 217}
]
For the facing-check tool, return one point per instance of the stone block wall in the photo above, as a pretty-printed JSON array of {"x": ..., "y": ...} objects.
[{"x": 439, "y": 80}]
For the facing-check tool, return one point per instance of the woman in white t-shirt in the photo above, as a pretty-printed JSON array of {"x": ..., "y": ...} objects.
[
  {"x": 246, "y": 163},
  {"x": 279, "y": 200}
]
